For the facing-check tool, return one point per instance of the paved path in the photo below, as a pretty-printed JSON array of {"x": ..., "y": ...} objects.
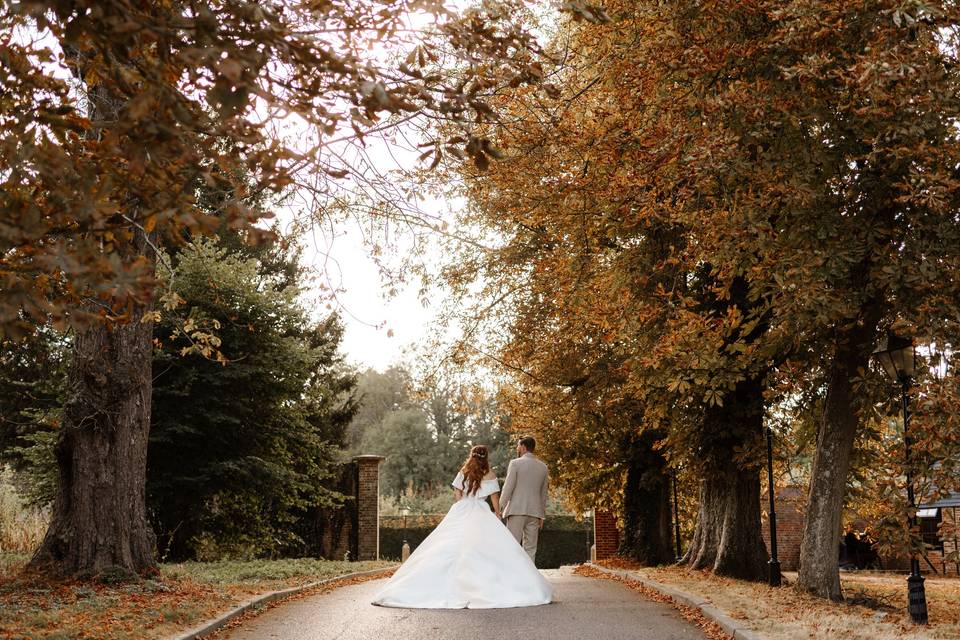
[{"x": 582, "y": 608}]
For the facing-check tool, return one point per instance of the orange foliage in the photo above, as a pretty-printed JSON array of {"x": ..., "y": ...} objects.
[{"x": 721, "y": 191}]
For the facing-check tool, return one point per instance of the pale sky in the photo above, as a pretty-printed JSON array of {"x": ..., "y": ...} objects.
[{"x": 378, "y": 328}]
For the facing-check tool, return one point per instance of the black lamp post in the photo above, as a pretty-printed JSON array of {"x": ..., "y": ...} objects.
[
  {"x": 586, "y": 515},
  {"x": 898, "y": 358},
  {"x": 676, "y": 514},
  {"x": 774, "y": 564}
]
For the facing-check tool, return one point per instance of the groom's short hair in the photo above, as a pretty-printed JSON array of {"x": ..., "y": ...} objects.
[{"x": 528, "y": 443}]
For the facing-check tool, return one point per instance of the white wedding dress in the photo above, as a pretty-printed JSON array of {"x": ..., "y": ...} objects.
[{"x": 470, "y": 561}]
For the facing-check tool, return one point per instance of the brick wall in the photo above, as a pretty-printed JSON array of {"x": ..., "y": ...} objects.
[
  {"x": 939, "y": 558},
  {"x": 368, "y": 507},
  {"x": 606, "y": 536},
  {"x": 789, "y": 503}
]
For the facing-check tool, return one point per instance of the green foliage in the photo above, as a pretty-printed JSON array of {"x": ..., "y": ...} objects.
[
  {"x": 416, "y": 504},
  {"x": 38, "y": 467},
  {"x": 411, "y": 461},
  {"x": 379, "y": 394},
  {"x": 425, "y": 435},
  {"x": 238, "y": 450},
  {"x": 32, "y": 387}
]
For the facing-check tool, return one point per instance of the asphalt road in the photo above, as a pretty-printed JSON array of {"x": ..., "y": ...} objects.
[{"x": 582, "y": 608}]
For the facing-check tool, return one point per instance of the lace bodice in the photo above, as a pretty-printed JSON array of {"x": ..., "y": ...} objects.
[{"x": 487, "y": 487}]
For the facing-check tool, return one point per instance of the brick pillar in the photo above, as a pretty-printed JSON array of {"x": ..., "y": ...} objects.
[
  {"x": 606, "y": 536},
  {"x": 368, "y": 507}
]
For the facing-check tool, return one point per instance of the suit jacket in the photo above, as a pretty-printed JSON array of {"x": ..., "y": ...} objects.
[{"x": 524, "y": 491}]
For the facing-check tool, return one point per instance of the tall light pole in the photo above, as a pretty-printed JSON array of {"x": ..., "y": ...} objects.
[
  {"x": 676, "y": 514},
  {"x": 774, "y": 564},
  {"x": 898, "y": 358}
]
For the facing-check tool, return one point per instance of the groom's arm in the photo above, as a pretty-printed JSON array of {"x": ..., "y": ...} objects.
[
  {"x": 508, "y": 485},
  {"x": 543, "y": 498}
]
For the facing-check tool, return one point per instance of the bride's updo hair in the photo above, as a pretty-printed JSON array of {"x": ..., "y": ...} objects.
[{"x": 475, "y": 468}]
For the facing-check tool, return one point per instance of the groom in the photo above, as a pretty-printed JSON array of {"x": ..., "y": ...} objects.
[{"x": 524, "y": 496}]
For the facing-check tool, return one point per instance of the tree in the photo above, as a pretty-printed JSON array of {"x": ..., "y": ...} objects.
[
  {"x": 647, "y": 512},
  {"x": 238, "y": 450},
  {"x": 735, "y": 200},
  {"x": 411, "y": 463},
  {"x": 885, "y": 228},
  {"x": 610, "y": 313},
  {"x": 172, "y": 95},
  {"x": 487, "y": 422},
  {"x": 378, "y": 395},
  {"x": 425, "y": 429}
]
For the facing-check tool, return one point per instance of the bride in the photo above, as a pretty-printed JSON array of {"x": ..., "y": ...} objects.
[{"x": 470, "y": 560}]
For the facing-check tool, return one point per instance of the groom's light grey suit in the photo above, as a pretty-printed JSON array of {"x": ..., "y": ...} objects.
[{"x": 524, "y": 500}]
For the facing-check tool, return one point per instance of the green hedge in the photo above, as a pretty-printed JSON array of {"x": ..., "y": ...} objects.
[{"x": 563, "y": 540}]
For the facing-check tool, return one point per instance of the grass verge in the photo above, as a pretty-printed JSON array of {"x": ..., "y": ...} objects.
[
  {"x": 183, "y": 596},
  {"x": 875, "y": 608}
]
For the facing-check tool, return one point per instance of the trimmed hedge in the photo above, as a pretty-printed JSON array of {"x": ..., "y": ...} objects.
[{"x": 563, "y": 540}]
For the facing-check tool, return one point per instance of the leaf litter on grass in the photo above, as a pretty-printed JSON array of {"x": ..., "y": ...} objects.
[
  {"x": 181, "y": 597},
  {"x": 875, "y": 608}
]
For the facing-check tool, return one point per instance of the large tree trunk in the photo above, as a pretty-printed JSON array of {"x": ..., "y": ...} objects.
[
  {"x": 646, "y": 505},
  {"x": 819, "y": 548},
  {"x": 99, "y": 518},
  {"x": 727, "y": 538}
]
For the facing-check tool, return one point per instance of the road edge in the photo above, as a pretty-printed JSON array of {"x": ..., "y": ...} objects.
[
  {"x": 703, "y": 605},
  {"x": 222, "y": 620}
]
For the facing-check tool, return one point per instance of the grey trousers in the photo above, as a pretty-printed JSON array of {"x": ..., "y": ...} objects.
[{"x": 526, "y": 529}]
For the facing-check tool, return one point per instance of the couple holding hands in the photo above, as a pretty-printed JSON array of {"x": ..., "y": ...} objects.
[{"x": 471, "y": 560}]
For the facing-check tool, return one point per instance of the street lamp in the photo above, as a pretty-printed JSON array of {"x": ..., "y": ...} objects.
[
  {"x": 588, "y": 515},
  {"x": 898, "y": 358},
  {"x": 774, "y": 564},
  {"x": 676, "y": 514}
]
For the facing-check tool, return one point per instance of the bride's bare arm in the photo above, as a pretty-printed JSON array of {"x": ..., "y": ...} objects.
[
  {"x": 495, "y": 499},
  {"x": 457, "y": 494}
]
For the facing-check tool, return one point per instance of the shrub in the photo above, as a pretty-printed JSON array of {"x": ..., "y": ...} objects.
[{"x": 563, "y": 540}]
